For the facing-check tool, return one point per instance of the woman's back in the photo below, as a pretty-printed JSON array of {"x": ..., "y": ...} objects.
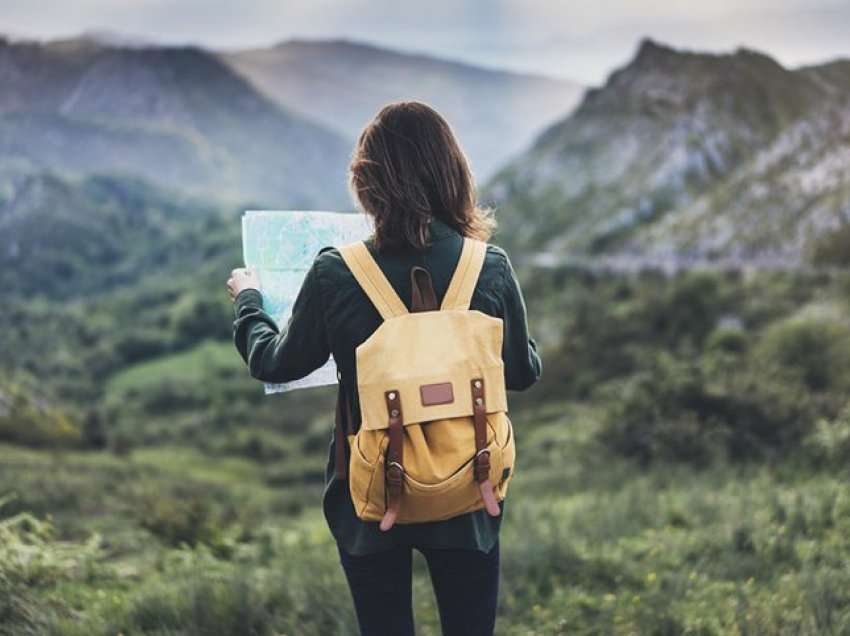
[
  {"x": 409, "y": 174},
  {"x": 352, "y": 318},
  {"x": 332, "y": 315}
]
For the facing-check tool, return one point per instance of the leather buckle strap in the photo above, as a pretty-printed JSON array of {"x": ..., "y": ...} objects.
[
  {"x": 423, "y": 297},
  {"x": 394, "y": 467},
  {"x": 479, "y": 415},
  {"x": 482, "y": 454}
]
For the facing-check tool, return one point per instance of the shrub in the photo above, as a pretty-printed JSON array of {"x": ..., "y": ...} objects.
[
  {"x": 658, "y": 415},
  {"x": 30, "y": 559},
  {"x": 20, "y": 613},
  {"x": 728, "y": 339},
  {"x": 31, "y": 421},
  {"x": 765, "y": 415},
  {"x": 828, "y": 444},
  {"x": 188, "y": 519},
  {"x": 814, "y": 350},
  {"x": 197, "y": 317},
  {"x": 671, "y": 411},
  {"x": 692, "y": 307},
  {"x": 140, "y": 344}
]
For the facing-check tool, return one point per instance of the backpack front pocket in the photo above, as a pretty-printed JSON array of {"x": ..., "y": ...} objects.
[
  {"x": 365, "y": 477},
  {"x": 455, "y": 495}
]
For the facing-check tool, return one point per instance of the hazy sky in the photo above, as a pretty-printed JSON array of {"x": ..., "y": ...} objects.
[{"x": 579, "y": 40}]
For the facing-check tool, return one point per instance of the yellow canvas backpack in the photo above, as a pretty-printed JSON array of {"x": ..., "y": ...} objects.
[{"x": 435, "y": 440}]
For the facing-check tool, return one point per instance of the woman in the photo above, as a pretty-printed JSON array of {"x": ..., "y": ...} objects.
[{"x": 409, "y": 174}]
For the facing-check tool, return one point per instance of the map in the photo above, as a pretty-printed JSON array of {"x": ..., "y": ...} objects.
[{"x": 281, "y": 245}]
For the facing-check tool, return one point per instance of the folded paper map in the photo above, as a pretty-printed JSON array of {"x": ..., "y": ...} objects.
[{"x": 282, "y": 245}]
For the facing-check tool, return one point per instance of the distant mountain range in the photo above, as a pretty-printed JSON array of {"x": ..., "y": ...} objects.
[
  {"x": 176, "y": 116},
  {"x": 679, "y": 156},
  {"x": 271, "y": 127},
  {"x": 342, "y": 84},
  {"x": 688, "y": 155}
]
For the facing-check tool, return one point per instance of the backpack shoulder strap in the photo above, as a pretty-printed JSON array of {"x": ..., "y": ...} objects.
[
  {"x": 459, "y": 293},
  {"x": 370, "y": 277}
]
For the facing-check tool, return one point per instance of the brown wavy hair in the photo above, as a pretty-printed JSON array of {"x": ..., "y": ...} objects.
[{"x": 407, "y": 167}]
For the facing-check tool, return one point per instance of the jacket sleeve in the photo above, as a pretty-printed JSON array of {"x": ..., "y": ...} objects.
[
  {"x": 519, "y": 350},
  {"x": 275, "y": 355}
]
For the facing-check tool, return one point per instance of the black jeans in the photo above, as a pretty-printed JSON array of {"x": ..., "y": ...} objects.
[{"x": 466, "y": 584}]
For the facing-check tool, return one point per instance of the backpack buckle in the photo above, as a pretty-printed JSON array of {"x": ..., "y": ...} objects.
[{"x": 482, "y": 465}]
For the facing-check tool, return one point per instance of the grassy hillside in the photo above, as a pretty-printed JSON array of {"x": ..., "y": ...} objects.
[
  {"x": 715, "y": 402},
  {"x": 726, "y": 550}
]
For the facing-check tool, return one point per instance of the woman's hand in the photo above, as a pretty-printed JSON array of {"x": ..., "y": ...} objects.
[{"x": 242, "y": 278}]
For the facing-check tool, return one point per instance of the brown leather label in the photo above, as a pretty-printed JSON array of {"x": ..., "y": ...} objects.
[{"x": 439, "y": 393}]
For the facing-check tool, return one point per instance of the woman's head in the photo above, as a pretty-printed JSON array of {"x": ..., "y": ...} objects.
[{"x": 408, "y": 167}]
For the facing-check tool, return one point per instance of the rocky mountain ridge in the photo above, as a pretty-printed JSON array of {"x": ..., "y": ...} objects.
[{"x": 684, "y": 154}]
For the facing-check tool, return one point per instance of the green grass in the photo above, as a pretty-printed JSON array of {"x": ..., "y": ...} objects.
[
  {"x": 592, "y": 544},
  {"x": 210, "y": 522},
  {"x": 171, "y": 462},
  {"x": 208, "y": 358},
  {"x": 188, "y": 463}
]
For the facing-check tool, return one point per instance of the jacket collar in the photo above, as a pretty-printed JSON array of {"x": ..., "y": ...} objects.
[{"x": 438, "y": 229}]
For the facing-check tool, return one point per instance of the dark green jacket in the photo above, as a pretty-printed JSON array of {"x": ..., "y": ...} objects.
[{"x": 332, "y": 315}]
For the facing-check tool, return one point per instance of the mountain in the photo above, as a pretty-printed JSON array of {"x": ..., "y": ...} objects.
[
  {"x": 110, "y": 37},
  {"x": 688, "y": 155},
  {"x": 343, "y": 84},
  {"x": 176, "y": 116}
]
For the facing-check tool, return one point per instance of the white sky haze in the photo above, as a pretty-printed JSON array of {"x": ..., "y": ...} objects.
[{"x": 577, "y": 40}]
